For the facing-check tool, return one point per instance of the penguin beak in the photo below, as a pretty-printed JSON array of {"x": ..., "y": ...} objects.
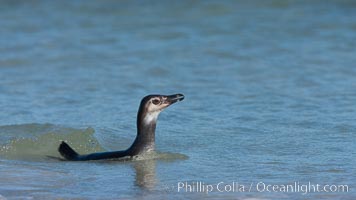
[{"x": 171, "y": 99}]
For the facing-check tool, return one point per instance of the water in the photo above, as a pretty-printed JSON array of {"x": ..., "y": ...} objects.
[{"x": 269, "y": 86}]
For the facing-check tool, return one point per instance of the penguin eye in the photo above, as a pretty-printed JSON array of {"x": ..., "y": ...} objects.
[{"x": 155, "y": 101}]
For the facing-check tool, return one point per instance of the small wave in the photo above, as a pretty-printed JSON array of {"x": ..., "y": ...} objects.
[
  {"x": 40, "y": 141},
  {"x": 149, "y": 156},
  {"x": 37, "y": 141},
  {"x": 2, "y": 197},
  {"x": 156, "y": 155}
]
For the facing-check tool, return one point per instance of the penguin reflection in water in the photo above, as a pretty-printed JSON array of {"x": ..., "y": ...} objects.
[{"x": 147, "y": 115}]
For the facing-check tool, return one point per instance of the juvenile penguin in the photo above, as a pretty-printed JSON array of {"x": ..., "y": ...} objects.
[{"x": 147, "y": 115}]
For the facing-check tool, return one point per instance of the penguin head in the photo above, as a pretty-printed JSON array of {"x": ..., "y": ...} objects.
[{"x": 153, "y": 104}]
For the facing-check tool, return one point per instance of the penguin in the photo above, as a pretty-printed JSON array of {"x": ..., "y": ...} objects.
[{"x": 150, "y": 107}]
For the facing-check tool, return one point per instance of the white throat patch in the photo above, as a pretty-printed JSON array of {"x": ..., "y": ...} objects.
[{"x": 152, "y": 116}]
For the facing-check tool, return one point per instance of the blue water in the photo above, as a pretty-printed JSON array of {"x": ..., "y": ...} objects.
[{"x": 270, "y": 91}]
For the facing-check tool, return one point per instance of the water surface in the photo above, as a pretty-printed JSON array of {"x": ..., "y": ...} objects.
[{"x": 269, "y": 86}]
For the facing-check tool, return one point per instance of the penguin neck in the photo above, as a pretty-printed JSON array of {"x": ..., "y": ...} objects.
[
  {"x": 146, "y": 127},
  {"x": 146, "y": 133}
]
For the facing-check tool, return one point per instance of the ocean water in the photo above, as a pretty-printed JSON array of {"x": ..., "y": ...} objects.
[{"x": 270, "y": 92}]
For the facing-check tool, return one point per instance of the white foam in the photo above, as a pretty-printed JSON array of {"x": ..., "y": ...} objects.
[{"x": 2, "y": 197}]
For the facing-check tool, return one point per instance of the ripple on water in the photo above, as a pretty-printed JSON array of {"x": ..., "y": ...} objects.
[{"x": 36, "y": 141}]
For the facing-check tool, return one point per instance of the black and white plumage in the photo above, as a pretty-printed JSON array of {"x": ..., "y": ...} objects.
[{"x": 147, "y": 115}]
